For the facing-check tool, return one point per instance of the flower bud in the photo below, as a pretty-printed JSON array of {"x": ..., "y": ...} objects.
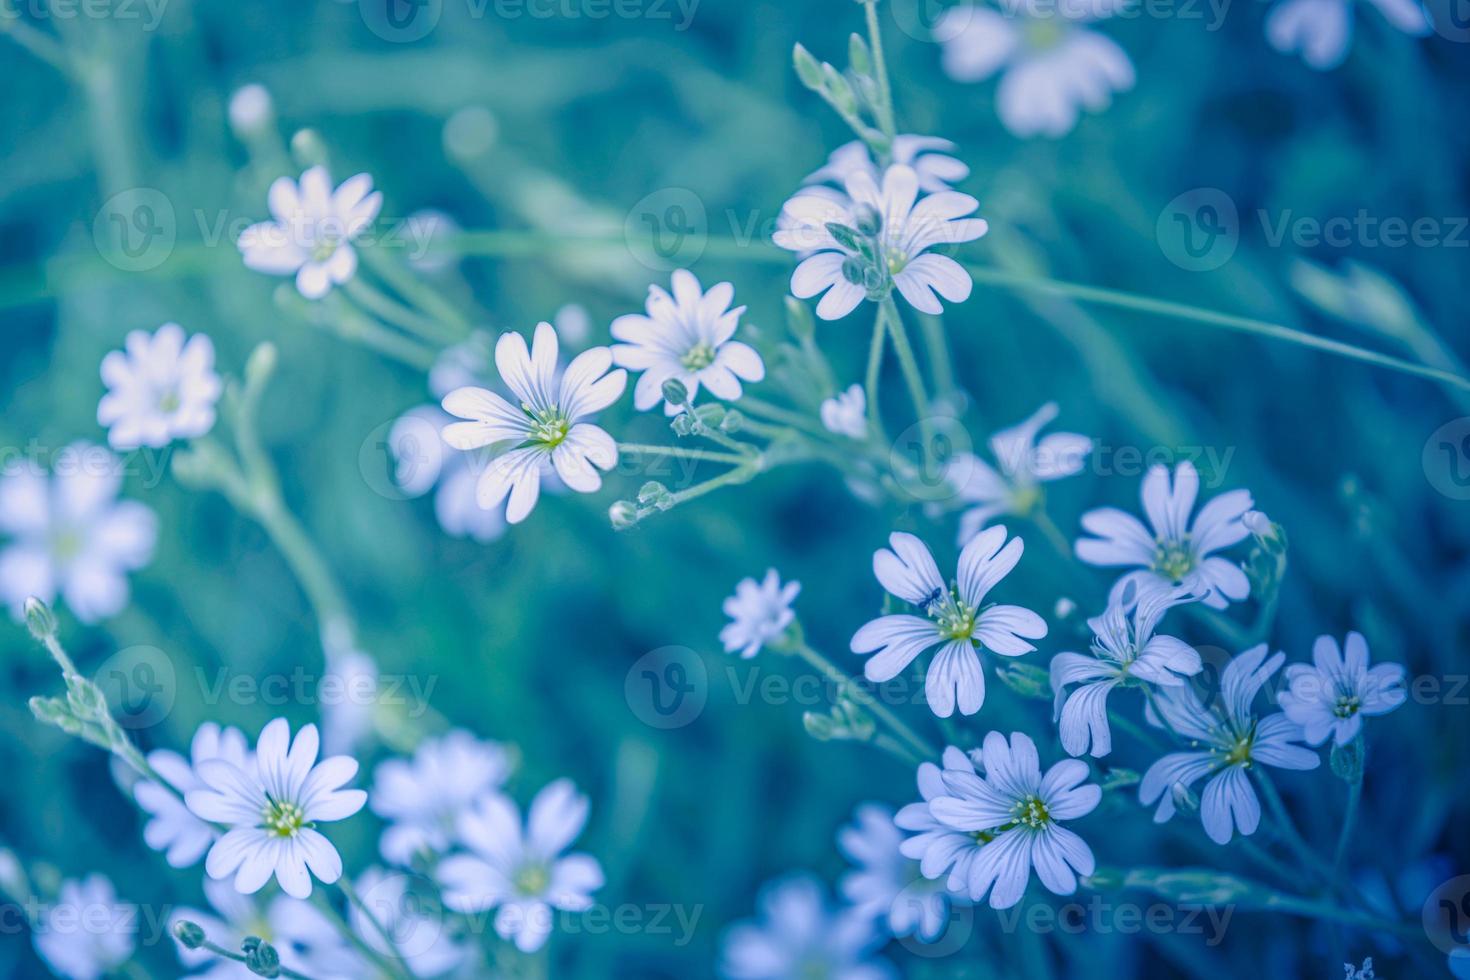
[
  {"x": 852, "y": 270},
  {"x": 261, "y": 364},
  {"x": 308, "y": 149},
  {"x": 799, "y": 319},
  {"x": 623, "y": 514},
  {"x": 869, "y": 221},
  {"x": 40, "y": 620},
  {"x": 807, "y": 68},
  {"x": 858, "y": 57},
  {"x": 261, "y": 957},
  {"x": 674, "y": 392},
  {"x": 189, "y": 934}
]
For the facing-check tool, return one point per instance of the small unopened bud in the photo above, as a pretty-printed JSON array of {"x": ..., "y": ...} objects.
[
  {"x": 623, "y": 514},
  {"x": 189, "y": 934},
  {"x": 818, "y": 726},
  {"x": 261, "y": 957},
  {"x": 869, "y": 221},
  {"x": 674, "y": 392},
  {"x": 40, "y": 620},
  {"x": 799, "y": 319},
  {"x": 733, "y": 421},
  {"x": 308, "y": 149},
  {"x": 261, "y": 364},
  {"x": 653, "y": 494},
  {"x": 853, "y": 269},
  {"x": 838, "y": 90},
  {"x": 858, "y": 57},
  {"x": 807, "y": 68},
  {"x": 251, "y": 111}
]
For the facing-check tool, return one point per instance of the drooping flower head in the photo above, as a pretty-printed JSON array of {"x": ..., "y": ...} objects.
[
  {"x": 174, "y": 829},
  {"x": 846, "y": 413},
  {"x": 927, "y": 155},
  {"x": 955, "y": 616},
  {"x": 885, "y": 884},
  {"x": 86, "y": 932},
  {"x": 798, "y": 933},
  {"x": 687, "y": 336},
  {"x": 546, "y": 430},
  {"x": 160, "y": 388},
  {"x": 421, "y": 798},
  {"x": 1331, "y": 697},
  {"x": 1321, "y": 31},
  {"x": 1236, "y": 739},
  {"x": 759, "y": 613},
  {"x": 876, "y": 239},
  {"x": 311, "y": 231},
  {"x": 272, "y": 809},
  {"x": 1174, "y": 551}
]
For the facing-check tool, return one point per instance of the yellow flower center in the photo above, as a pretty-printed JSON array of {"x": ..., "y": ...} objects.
[
  {"x": 1031, "y": 812},
  {"x": 283, "y": 819},
  {"x": 698, "y": 357}
]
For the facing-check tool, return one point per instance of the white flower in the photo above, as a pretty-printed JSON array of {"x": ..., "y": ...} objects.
[
  {"x": 519, "y": 871},
  {"x": 422, "y": 798},
  {"x": 886, "y": 885},
  {"x": 348, "y": 692},
  {"x": 927, "y": 155},
  {"x": 172, "y": 828},
  {"x": 1124, "y": 650},
  {"x": 1236, "y": 741},
  {"x": 547, "y": 427},
  {"x": 251, "y": 110},
  {"x": 1321, "y": 31},
  {"x": 799, "y": 934},
  {"x": 86, "y": 932},
  {"x": 846, "y": 413},
  {"x": 1051, "y": 66},
  {"x": 686, "y": 337},
  {"x": 160, "y": 388},
  {"x": 273, "y": 808},
  {"x": 70, "y": 534},
  {"x": 1024, "y": 463},
  {"x": 955, "y": 615},
  {"x": 411, "y": 920},
  {"x": 1332, "y": 697},
  {"x": 304, "y": 938},
  {"x": 888, "y": 233},
  {"x": 1016, "y": 814},
  {"x": 1176, "y": 552},
  {"x": 759, "y": 613},
  {"x": 313, "y": 227}
]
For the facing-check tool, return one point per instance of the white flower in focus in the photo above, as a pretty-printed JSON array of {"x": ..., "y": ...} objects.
[
  {"x": 799, "y": 934},
  {"x": 312, "y": 231},
  {"x": 686, "y": 336},
  {"x": 160, "y": 388},
  {"x": 886, "y": 236},
  {"x": 547, "y": 428},
  {"x": 1024, "y": 464},
  {"x": 273, "y": 808},
  {"x": 410, "y": 919},
  {"x": 927, "y": 155},
  {"x": 173, "y": 829},
  {"x": 886, "y": 885},
  {"x": 521, "y": 871},
  {"x": 421, "y": 798},
  {"x": 71, "y": 535},
  {"x": 1321, "y": 31},
  {"x": 304, "y": 938},
  {"x": 1051, "y": 66},
  {"x": 86, "y": 932},
  {"x": 954, "y": 615},
  {"x": 846, "y": 413},
  {"x": 1333, "y": 696},
  {"x": 759, "y": 613},
  {"x": 1177, "y": 551}
]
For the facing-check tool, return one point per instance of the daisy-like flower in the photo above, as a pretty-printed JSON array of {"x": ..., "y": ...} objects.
[
  {"x": 160, "y": 387},
  {"x": 547, "y": 428},
  {"x": 876, "y": 239},
  {"x": 940, "y": 850},
  {"x": 927, "y": 155},
  {"x": 1176, "y": 552},
  {"x": 421, "y": 798},
  {"x": 1051, "y": 65},
  {"x": 1333, "y": 696},
  {"x": 954, "y": 615},
  {"x": 799, "y": 934},
  {"x": 272, "y": 809},
  {"x": 1125, "y": 650},
  {"x": 886, "y": 885},
  {"x": 846, "y": 413},
  {"x": 1023, "y": 463},
  {"x": 686, "y": 337},
  {"x": 1321, "y": 31},
  {"x": 86, "y": 932},
  {"x": 1016, "y": 812},
  {"x": 1236, "y": 740},
  {"x": 173, "y": 829},
  {"x": 312, "y": 230},
  {"x": 394, "y": 906},
  {"x": 759, "y": 613},
  {"x": 70, "y": 534},
  {"x": 304, "y": 938},
  {"x": 520, "y": 870}
]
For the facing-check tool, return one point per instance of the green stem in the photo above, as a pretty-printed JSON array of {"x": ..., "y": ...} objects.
[
  {"x": 389, "y": 310},
  {"x": 872, "y": 376},
  {"x": 223, "y": 953},
  {"x": 679, "y": 452},
  {"x": 910, "y": 365},
  {"x": 389, "y": 966},
  {"x": 755, "y": 406},
  {"x": 937, "y": 348},
  {"x": 880, "y": 710},
  {"x": 1284, "y": 822},
  {"x": 41, "y": 45},
  {"x": 413, "y": 289},
  {"x": 1350, "y": 816},
  {"x": 393, "y": 961},
  {"x": 880, "y": 67}
]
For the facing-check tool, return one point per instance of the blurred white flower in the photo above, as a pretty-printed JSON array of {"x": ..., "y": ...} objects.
[
  {"x": 304, "y": 938},
  {"x": 1051, "y": 66},
  {"x": 885, "y": 236},
  {"x": 759, "y": 613},
  {"x": 70, "y": 534},
  {"x": 1331, "y": 697},
  {"x": 1321, "y": 31},
  {"x": 251, "y": 110},
  {"x": 846, "y": 413},
  {"x": 686, "y": 336},
  {"x": 273, "y": 808},
  {"x": 927, "y": 155},
  {"x": 313, "y": 227},
  {"x": 522, "y": 871},
  {"x": 160, "y": 388},
  {"x": 172, "y": 828},
  {"x": 421, "y": 798},
  {"x": 885, "y": 884},
  {"x": 412, "y": 921},
  {"x": 547, "y": 430},
  {"x": 348, "y": 695},
  {"x": 940, "y": 850},
  {"x": 798, "y": 933},
  {"x": 86, "y": 932}
]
